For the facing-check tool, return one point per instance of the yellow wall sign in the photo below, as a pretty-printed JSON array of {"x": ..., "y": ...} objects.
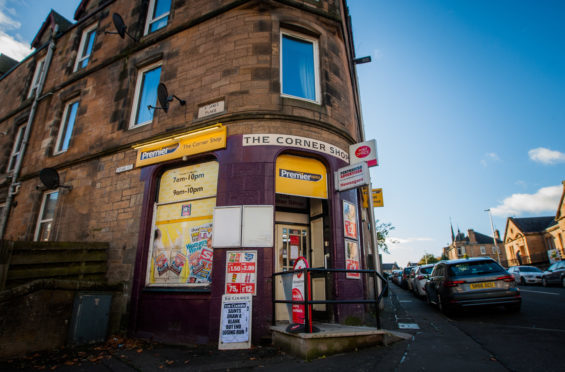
[
  {"x": 190, "y": 182},
  {"x": 191, "y": 143},
  {"x": 301, "y": 176},
  {"x": 378, "y": 198}
]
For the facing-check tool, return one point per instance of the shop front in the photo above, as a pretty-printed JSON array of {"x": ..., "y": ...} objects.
[{"x": 181, "y": 276}]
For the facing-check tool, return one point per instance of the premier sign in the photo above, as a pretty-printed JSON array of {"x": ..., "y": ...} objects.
[{"x": 352, "y": 176}]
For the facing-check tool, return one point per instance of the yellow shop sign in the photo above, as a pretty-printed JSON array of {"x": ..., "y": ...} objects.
[
  {"x": 190, "y": 143},
  {"x": 301, "y": 176}
]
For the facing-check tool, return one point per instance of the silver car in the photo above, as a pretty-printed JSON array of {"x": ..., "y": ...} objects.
[
  {"x": 526, "y": 274},
  {"x": 421, "y": 277}
]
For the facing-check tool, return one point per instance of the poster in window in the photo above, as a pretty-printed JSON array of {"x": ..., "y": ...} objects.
[
  {"x": 352, "y": 258},
  {"x": 350, "y": 220},
  {"x": 241, "y": 272}
]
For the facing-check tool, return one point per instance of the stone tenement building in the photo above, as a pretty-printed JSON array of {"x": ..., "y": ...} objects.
[
  {"x": 476, "y": 244},
  {"x": 261, "y": 107}
]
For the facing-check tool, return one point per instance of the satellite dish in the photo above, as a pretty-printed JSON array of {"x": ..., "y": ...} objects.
[
  {"x": 119, "y": 24},
  {"x": 163, "y": 96},
  {"x": 50, "y": 178}
]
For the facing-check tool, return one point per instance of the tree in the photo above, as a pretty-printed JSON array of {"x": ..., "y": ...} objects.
[
  {"x": 428, "y": 258},
  {"x": 383, "y": 230}
]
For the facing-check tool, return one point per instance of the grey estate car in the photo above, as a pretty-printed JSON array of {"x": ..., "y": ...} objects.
[{"x": 471, "y": 282}]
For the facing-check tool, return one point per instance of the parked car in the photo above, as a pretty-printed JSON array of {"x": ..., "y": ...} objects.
[
  {"x": 526, "y": 274},
  {"x": 396, "y": 276},
  {"x": 405, "y": 276},
  {"x": 555, "y": 274},
  {"x": 472, "y": 282},
  {"x": 421, "y": 277}
]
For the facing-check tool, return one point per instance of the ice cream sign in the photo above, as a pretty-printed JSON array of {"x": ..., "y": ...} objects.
[{"x": 364, "y": 152}]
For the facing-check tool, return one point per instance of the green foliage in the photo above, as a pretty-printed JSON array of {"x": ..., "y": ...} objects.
[
  {"x": 383, "y": 230},
  {"x": 428, "y": 258}
]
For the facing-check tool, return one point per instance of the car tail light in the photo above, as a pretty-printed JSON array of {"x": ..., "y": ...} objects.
[
  {"x": 452, "y": 283},
  {"x": 421, "y": 277},
  {"x": 506, "y": 278}
]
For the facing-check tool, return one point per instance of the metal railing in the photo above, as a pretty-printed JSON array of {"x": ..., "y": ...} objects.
[{"x": 319, "y": 272}]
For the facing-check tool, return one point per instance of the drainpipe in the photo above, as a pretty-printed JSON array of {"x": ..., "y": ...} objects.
[{"x": 15, "y": 185}]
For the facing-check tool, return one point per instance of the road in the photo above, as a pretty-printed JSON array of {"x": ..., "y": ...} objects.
[{"x": 488, "y": 339}]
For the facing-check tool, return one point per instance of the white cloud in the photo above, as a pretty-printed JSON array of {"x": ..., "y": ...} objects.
[
  {"x": 393, "y": 240},
  {"x": 488, "y": 158},
  {"x": 13, "y": 48},
  {"x": 546, "y": 156},
  {"x": 6, "y": 22},
  {"x": 544, "y": 200}
]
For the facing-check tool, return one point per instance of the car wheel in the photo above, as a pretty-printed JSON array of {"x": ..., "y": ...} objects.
[
  {"x": 544, "y": 282},
  {"x": 444, "y": 308},
  {"x": 522, "y": 281}
]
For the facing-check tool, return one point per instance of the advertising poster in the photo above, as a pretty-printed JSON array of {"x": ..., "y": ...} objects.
[
  {"x": 241, "y": 272},
  {"x": 181, "y": 246},
  {"x": 235, "y": 327},
  {"x": 298, "y": 294},
  {"x": 350, "y": 220},
  {"x": 352, "y": 258}
]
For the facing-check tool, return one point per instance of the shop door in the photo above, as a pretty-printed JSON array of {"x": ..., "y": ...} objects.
[{"x": 292, "y": 241}]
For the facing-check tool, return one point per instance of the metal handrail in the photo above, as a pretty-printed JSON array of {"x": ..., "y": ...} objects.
[{"x": 376, "y": 301}]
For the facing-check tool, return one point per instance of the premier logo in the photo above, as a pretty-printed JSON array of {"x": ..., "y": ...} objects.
[
  {"x": 156, "y": 153},
  {"x": 285, "y": 173}
]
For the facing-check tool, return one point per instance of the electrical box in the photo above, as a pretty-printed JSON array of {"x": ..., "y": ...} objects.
[{"x": 91, "y": 312}]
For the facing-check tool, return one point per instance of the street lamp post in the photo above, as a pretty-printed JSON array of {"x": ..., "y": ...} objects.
[{"x": 493, "y": 236}]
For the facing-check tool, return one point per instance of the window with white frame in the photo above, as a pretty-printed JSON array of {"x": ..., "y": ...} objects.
[
  {"x": 483, "y": 249},
  {"x": 16, "y": 148},
  {"x": 44, "y": 228},
  {"x": 494, "y": 250},
  {"x": 145, "y": 95},
  {"x": 36, "y": 77},
  {"x": 299, "y": 67},
  {"x": 157, "y": 15},
  {"x": 66, "y": 128},
  {"x": 85, "y": 47}
]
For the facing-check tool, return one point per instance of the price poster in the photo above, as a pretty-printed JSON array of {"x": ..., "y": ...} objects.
[
  {"x": 241, "y": 272},
  {"x": 350, "y": 220},
  {"x": 352, "y": 258},
  {"x": 235, "y": 327}
]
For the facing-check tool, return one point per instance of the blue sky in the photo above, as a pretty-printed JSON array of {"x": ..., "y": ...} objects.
[{"x": 466, "y": 100}]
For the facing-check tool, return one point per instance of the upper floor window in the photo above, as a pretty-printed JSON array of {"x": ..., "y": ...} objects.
[
  {"x": 483, "y": 249},
  {"x": 157, "y": 15},
  {"x": 299, "y": 67},
  {"x": 16, "y": 148},
  {"x": 145, "y": 95},
  {"x": 66, "y": 128},
  {"x": 44, "y": 228},
  {"x": 36, "y": 77},
  {"x": 85, "y": 47}
]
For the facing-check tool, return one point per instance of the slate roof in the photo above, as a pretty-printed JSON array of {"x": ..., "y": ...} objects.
[
  {"x": 533, "y": 224},
  {"x": 6, "y": 63},
  {"x": 485, "y": 239},
  {"x": 53, "y": 18}
]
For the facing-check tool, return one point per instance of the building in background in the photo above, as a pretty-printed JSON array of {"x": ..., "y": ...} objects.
[
  {"x": 260, "y": 107},
  {"x": 475, "y": 244}
]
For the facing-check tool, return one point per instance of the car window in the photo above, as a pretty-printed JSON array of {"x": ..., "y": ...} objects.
[
  {"x": 530, "y": 270},
  {"x": 474, "y": 268},
  {"x": 426, "y": 270},
  {"x": 552, "y": 267}
]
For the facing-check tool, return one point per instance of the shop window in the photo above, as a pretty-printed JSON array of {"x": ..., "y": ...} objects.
[
  {"x": 44, "y": 228},
  {"x": 66, "y": 128},
  {"x": 85, "y": 47},
  {"x": 16, "y": 148},
  {"x": 157, "y": 15},
  {"x": 145, "y": 95},
  {"x": 36, "y": 77},
  {"x": 181, "y": 240},
  {"x": 299, "y": 71}
]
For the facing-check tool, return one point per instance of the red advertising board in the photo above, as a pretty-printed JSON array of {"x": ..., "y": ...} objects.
[
  {"x": 298, "y": 294},
  {"x": 241, "y": 272}
]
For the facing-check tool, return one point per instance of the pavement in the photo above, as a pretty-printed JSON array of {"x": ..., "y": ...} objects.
[{"x": 435, "y": 345}]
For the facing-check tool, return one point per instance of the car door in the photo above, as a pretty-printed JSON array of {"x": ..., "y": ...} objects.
[{"x": 432, "y": 285}]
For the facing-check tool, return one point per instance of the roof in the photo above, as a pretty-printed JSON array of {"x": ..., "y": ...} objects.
[
  {"x": 533, "y": 224},
  {"x": 390, "y": 266},
  {"x": 53, "y": 18},
  {"x": 485, "y": 239},
  {"x": 6, "y": 63}
]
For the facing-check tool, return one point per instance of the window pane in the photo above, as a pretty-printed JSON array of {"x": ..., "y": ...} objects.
[
  {"x": 298, "y": 68},
  {"x": 88, "y": 48},
  {"x": 44, "y": 231},
  {"x": 50, "y": 204},
  {"x": 162, "y": 7},
  {"x": 68, "y": 127},
  {"x": 148, "y": 95}
]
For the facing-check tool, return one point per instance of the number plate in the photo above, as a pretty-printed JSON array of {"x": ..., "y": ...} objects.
[{"x": 483, "y": 285}]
